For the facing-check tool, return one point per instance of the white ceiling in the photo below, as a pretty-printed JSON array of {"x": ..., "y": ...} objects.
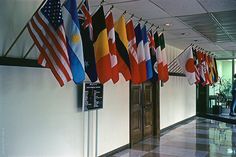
[{"x": 202, "y": 22}]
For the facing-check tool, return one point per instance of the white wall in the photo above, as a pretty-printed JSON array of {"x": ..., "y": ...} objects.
[
  {"x": 178, "y": 101},
  {"x": 177, "y": 97},
  {"x": 39, "y": 118},
  {"x": 114, "y": 118}
]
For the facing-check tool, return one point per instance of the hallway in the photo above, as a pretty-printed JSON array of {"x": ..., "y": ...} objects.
[{"x": 198, "y": 138}]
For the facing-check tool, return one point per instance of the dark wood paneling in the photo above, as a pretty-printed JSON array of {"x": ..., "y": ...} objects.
[
  {"x": 136, "y": 114},
  {"x": 144, "y": 111},
  {"x": 147, "y": 110},
  {"x": 156, "y": 108}
]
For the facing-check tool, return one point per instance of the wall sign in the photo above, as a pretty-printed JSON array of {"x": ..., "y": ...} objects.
[{"x": 92, "y": 96}]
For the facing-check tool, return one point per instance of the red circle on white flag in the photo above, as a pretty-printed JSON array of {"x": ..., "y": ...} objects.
[{"x": 189, "y": 66}]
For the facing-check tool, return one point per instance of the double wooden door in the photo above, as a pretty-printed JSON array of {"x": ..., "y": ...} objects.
[{"x": 141, "y": 112}]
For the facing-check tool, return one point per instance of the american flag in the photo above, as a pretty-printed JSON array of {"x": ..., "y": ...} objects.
[{"x": 47, "y": 31}]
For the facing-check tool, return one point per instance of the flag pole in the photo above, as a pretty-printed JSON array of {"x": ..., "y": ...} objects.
[
  {"x": 112, "y": 6},
  {"x": 21, "y": 32},
  {"x": 101, "y": 4},
  {"x": 27, "y": 53},
  {"x": 81, "y": 3},
  {"x": 131, "y": 17},
  {"x": 173, "y": 66},
  {"x": 179, "y": 70},
  {"x": 180, "y": 54},
  {"x": 150, "y": 28}
]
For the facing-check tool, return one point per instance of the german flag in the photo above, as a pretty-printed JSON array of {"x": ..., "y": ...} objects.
[
  {"x": 122, "y": 48},
  {"x": 101, "y": 47}
]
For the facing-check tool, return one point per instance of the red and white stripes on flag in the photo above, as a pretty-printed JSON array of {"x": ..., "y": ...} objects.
[{"x": 52, "y": 46}]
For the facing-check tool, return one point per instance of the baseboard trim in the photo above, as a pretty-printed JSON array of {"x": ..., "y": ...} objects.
[
  {"x": 216, "y": 117},
  {"x": 115, "y": 151},
  {"x": 173, "y": 126}
]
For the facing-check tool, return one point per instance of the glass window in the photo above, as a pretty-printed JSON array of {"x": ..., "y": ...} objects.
[
  {"x": 225, "y": 73},
  {"x": 220, "y": 93}
]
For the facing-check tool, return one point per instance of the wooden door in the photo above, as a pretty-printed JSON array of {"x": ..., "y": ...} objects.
[
  {"x": 141, "y": 112},
  {"x": 147, "y": 110},
  {"x": 136, "y": 120}
]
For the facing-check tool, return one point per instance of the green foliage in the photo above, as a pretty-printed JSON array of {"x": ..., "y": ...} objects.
[{"x": 225, "y": 87}]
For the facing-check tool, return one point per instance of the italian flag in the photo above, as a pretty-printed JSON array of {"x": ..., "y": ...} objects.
[{"x": 162, "y": 64}]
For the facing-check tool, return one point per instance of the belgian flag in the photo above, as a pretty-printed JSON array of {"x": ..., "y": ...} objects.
[
  {"x": 101, "y": 47},
  {"x": 122, "y": 48}
]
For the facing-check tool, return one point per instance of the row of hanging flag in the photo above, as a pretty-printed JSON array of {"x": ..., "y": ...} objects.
[
  {"x": 73, "y": 44},
  {"x": 198, "y": 66}
]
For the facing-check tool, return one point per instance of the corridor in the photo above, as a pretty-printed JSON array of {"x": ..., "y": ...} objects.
[{"x": 198, "y": 138}]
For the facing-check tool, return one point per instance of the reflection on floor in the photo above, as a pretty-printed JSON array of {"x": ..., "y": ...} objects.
[{"x": 199, "y": 138}]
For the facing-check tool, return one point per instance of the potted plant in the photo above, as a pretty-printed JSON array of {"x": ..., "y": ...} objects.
[{"x": 224, "y": 95}]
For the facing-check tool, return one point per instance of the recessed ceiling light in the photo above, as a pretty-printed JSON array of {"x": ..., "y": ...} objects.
[{"x": 168, "y": 24}]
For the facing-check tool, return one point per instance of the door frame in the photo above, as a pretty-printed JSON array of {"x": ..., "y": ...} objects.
[{"x": 156, "y": 109}]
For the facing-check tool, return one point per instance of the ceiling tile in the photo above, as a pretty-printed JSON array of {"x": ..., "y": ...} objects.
[
  {"x": 226, "y": 17},
  {"x": 231, "y": 29},
  {"x": 115, "y": 11},
  {"x": 108, "y": 2},
  {"x": 224, "y": 54},
  {"x": 183, "y": 33},
  {"x": 174, "y": 23},
  {"x": 180, "y": 7},
  {"x": 230, "y": 48},
  {"x": 182, "y": 43},
  {"x": 93, "y": 3},
  {"x": 177, "y": 44},
  {"x": 198, "y": 19},
  {"x": 210, "y": 47},
  {"x": 234, "y": 36},
  {"x": 143, "y": 8},
  {"x": 208, "y": 27},
  {"x": 227, "y": 44},
  {"x": 197, "y": 40},
  {"x": 218, "y": 5}
]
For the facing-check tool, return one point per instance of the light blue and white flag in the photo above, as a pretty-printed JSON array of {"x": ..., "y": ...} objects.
[{"x": 74, "y": 40}]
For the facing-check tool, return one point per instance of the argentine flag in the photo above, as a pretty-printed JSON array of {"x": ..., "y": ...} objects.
[{"x": 74, "y": 40}]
